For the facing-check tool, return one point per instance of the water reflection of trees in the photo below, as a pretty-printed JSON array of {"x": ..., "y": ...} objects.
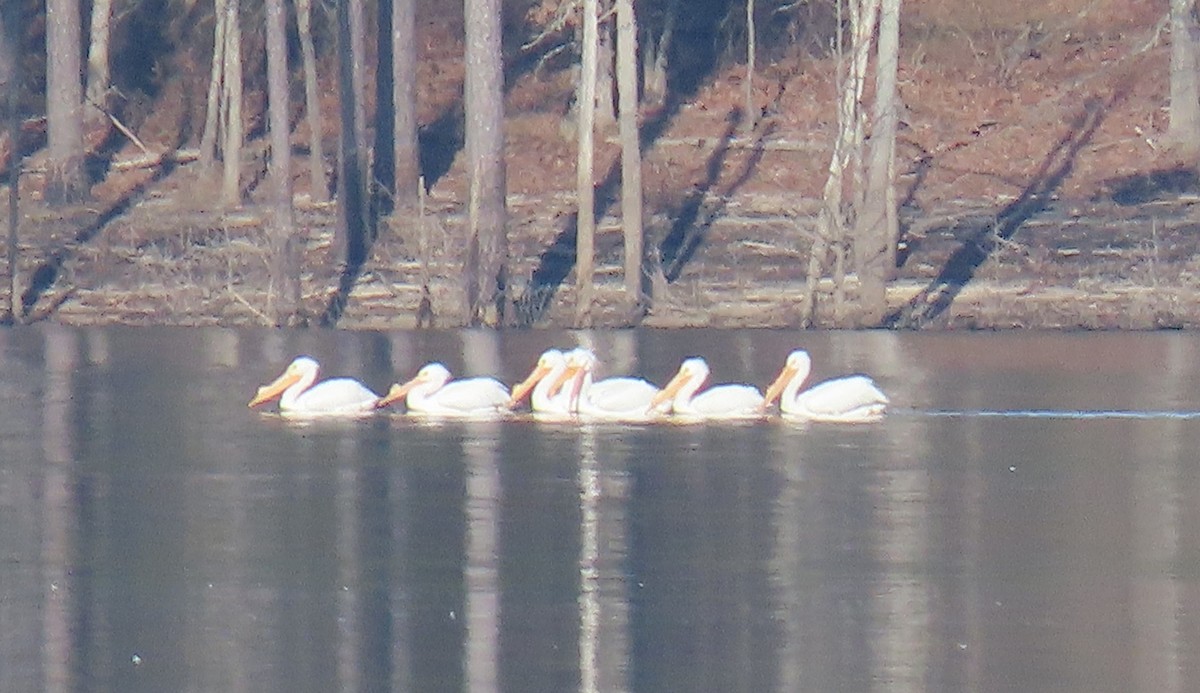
[
  {"x": 926, "y": 553},
  {"x": 58, "y": 528},
  {"x": 701, "y": 610}
]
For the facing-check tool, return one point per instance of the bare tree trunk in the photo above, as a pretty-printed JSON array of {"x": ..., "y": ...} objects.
[
  {"x": 312, "y": 105},
  {"x": 751, "y": 113},
  {"x": 835, "y": 216},
  {"x": 212, "y": 120},
  {"x": 487, "y": 252},
  {"x": 1184, "y": 128},
  {"x": 65, "y": 183},
  {"x": 10, "y": 83},
  {"x": 606, "y": 108},
  {"x": 631, "y": 159},
  {"x": 383, "y": 149},
  {"x": 231, "y": 181},
  {"x": 351, "y": 193},
  {"x": 655, "y": 61},
  {"x": 406, "y": 153},
  {"x": 285, "y": 265},
  {"x": 812, "y": 274},
  {"x": 586, "y": 216},
  {"x": 358, "y": 49},
  {"x": 98, "y": 71},
  {"x": 863, "y": 17},
  {"x": 874, "y": 234}
]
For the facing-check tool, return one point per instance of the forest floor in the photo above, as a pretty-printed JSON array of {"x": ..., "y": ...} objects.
[{"x": 1038, "y": 191}]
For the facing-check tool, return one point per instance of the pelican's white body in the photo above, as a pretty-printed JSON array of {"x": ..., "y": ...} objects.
[
  {"x": 612, "y": 399},
  {"x": 729, "y": 401},
  {"x": 851, "y": 399},
  {"x": 298, "y": 396},
  {"x": 432, "y": 392}
]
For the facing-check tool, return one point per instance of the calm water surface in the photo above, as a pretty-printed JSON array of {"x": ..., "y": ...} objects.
[{"x": 1025, "y": 519}]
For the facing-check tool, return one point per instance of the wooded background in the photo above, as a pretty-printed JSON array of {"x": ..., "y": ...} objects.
[{"x": 80, "y": 77}]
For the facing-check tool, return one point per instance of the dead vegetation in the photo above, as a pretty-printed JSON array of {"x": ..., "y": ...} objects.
[{"x": 1111, "y": 243}]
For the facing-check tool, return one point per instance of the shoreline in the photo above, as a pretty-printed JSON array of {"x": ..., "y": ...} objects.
[{"x": 1074, "y": 265}]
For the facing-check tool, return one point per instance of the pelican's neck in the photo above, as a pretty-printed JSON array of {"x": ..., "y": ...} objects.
[
  {"x": 792, "y": 389},
  {"x": 541, "y": 400},
  {"x": 580, "y": 385},
  {"x": 685, "y": 393},
  {"x": 291, "y": 396}
]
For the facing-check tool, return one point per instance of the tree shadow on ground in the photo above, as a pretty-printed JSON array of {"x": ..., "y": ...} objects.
[
  {"x": 438, "y": 144},
  {"x": 556, "y": 261},
  {"x": 686, "y": 236},
  {"x": 692, "y": 60},
  {"x": 690, "y": 229},
  {"x": 933, "y": 301},
  {"x": 1154, "y": 186},
  {"x": 49, "y": 270}
]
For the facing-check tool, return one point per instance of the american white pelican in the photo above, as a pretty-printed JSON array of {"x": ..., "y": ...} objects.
[
  {"x": 731, "y": 401},
  {"x": 299, "y": 397},
  {"x": 545, "y": 383},
  {"x": 618, "y": 399},
  {"x": 432, "y": 392},
  {"x": 841, "y": 400}
]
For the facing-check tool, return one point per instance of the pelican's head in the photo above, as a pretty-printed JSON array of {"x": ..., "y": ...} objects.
[
  {"x": 691, "y": 375},
  {"x": 580, "y": 363},
  {"x": 795, "y": 367},
  {"x": 432, "y": 376},
  {"x": 297, "y": 370},
  {"x": 799, "y": 361},
  {"x": 581, "y": 359},
  {"x": 693, "y": 369},
  {"x": 550, "y": 360}
]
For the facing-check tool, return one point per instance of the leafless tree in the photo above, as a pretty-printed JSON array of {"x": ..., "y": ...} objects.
[
  {"x": 65, "y": 183},
  {"x": 487, "y": 253},
  {"x": 285, "y": 265},
  {"x": 358, "y": 53},
  {"x": 404, "y": 102},
  {"x": 231, "y": 180},
  {"x": 1184, "y": 128},
  {"x": 606, "y": 107},
  {"x": 751, "y": 115},
  {"x": 877, "y": 226},
  {"x": 209, "y": 143},
  {"x": 631, "y": 157},
  {"x": 655, "y": 56},
  {"x": 99, "y": 77},
  {"x": 353, "y": 231},
  {"x": 9, "y": 88},
  {"x": 586, "y": 216},
  {"x": 223, "y": 128},
  {"x": 858, "y": 207},
  {"x": 312, "y": 104}
]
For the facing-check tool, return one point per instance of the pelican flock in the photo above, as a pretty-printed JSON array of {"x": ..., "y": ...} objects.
[{"x": 563, "y": 384}]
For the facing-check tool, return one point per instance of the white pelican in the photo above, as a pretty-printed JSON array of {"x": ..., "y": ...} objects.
[
  {"x": 619, "y": 399},
  {"x": 432, "y": 392},
  {"x": 545, "y": 383},
  {"x": 299, "y": 397},
  {"x": 731, "y": 401},
  {"x": 841, "y": 400}
]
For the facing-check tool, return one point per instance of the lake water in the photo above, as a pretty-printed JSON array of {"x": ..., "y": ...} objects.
[{"x": 1026, "y": 518}]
